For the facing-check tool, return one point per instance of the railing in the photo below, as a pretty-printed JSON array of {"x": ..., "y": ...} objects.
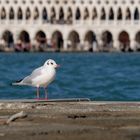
[
  {"x": 136, "y": 22},
  {"x": 70, "y": 22},
  {"x": 111, "y": 22}
]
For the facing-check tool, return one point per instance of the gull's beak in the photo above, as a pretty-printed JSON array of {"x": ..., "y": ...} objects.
[{"x": 57, "y": 66}]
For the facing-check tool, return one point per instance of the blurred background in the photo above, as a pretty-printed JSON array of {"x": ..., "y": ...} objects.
[{"x": 96, "y": 43}]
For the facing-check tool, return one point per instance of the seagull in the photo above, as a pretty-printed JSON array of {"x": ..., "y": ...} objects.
[{"x": 40, "y": 77}]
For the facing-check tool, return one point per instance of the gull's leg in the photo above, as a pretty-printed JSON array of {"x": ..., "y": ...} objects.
[
  {"x": 46, "y": 94},
  {"x": 37, "y": 92}
]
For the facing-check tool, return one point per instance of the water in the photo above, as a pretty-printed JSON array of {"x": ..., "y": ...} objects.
[{"x": 98, "y": 76}]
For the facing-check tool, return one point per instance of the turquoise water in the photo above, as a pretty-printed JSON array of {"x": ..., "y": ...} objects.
[{"x": 98, "y": 76}]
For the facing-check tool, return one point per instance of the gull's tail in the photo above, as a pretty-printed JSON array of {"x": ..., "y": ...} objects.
[{"x": 19, "y": 82}]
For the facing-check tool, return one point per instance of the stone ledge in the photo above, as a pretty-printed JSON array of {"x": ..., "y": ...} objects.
[{"x": 75, "y": 120}]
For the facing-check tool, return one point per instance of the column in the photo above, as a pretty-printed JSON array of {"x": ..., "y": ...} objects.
[
  {"x": 133, "y": 43},
  {"x": 82, "y": 21},
  {"x": 116, "y": 44},
  {"x": 15, "y": 37},
  {"x": 1, "y": 40},
  {"x": 15, "y": 16},
  {"x": 98, "y": 17},
  {"x": 49, "y": 42},
  {"x": 94, "y": 46},
  {"x": 80, "y": 46},
  {"x": 24, "y": 16},
  {"x": 40, "y": 15},
  {"x": 7, "y": 16},
  {"x": 65, "y": 15},
  {"x": 57, "y": 15},
  {"x": 107, "y": 21},
  {"x": 132, "y": 17},
  {"x": 124, "y": 16},
  {"x": 65, "y": 44},
  {"x": 90, "y": 16},
  {"x": 99, "y": 41},
  {"x": 32, "y": 38},
  {"x": 115, "y": 17},
  {"x": 73, "y": 16}
]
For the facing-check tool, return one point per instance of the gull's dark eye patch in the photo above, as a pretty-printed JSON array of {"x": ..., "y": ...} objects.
[
  {"x": 51, "y": 63},
  {"x": 47, "y": 63}
]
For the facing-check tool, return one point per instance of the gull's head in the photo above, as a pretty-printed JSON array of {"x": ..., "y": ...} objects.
[{"x": 51, "y": 63}]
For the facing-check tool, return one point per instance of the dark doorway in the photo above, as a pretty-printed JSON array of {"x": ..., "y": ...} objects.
[
  {"x": 74, "y": 39},
  {"x": 41, "y": 37},
  {"x": 124, "y": 41},
  {"x": 57, "y": 40},
  {"x": 8, "y": 38},
  {"x": 107, "y": 39}
]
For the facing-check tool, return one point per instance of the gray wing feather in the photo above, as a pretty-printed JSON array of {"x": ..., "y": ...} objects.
[
  {"x": 27, "y": 80},
  {"x": 35, "y": 73}
]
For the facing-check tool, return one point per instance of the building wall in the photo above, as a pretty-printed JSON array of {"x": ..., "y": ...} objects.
[{"x": 102, "y": 22}]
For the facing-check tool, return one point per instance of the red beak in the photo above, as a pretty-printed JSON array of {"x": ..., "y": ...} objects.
[{"x": 57, "y": 66}]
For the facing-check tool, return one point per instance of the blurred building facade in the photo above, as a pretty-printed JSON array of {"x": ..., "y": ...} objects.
[{"x": 71, "y": 24}]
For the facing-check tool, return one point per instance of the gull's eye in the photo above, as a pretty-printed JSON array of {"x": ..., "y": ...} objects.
[{"x": 51, "y": 63}]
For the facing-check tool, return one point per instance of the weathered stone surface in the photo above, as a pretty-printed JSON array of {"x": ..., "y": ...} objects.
[{"x": 71, "y": 120}]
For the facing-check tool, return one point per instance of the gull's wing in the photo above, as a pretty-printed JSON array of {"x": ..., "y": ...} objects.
[
  {"x": 37, "y": 72},
  {"x": 28, "y": 80}
]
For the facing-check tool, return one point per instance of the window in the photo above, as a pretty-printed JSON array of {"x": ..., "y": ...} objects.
[
  {"x": 15, "y": 1},
  {"x": 11, "y": 14},
  {"x": 19, "y": 15},
  {"x": 132, "y": 2},
  {"x": 40, "y": 2},
  {"x": 32, "y": 2},
  {"x": 23, "y": 1},
  {"x": 115, "y": 2},
  {"x": 107, "y": 2},
  {"x": 98, "y": 1},
  {"x": 7, "y": 1},
  {"x": 57, "y": 2}
]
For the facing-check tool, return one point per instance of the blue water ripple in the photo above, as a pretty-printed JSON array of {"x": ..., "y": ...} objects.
[{"x": 98, "y": 76}]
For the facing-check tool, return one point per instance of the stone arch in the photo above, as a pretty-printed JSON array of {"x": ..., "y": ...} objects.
[
  {"x": 111, "y": 14},
  {"x": 3, "y": 13},
  {"x": 24, "y": 37},
  {"x": 19, "y": 14},
  {"x": 103, "y": 14},
  {"x": 137, "y": 37},
  {"x": 124, "y": 40},
  {"x": 94, "y": 13},
  {"x": 119, "y": 14},
  {"x": 78, "y": 14},
  {"x": 107, "y": 39},
  {"x": 28, "y": 13},
  {"x": 44, "y": 14},
  {"x": 7, "y": 36},
  {"x": 61, "y": 14},
  {"x": 57, "y": 40},
  {"x": 11, "y": 13},
  {"x": 40, "y": 37},
  {"x": 73, "y": 39},
  {"x": 53, "y": 15},
  {"x": 90, "y": 40},
  {"x": 69, "y": 15},
  {"x": 23, "y": 43},
  {"x": 136, "y": 14},
  {"x": 36, "y": 13},
  {"x": 86, "y": 13},
  {"x": 90, "y": 37},
  {"x": 128, "y": 14}
]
